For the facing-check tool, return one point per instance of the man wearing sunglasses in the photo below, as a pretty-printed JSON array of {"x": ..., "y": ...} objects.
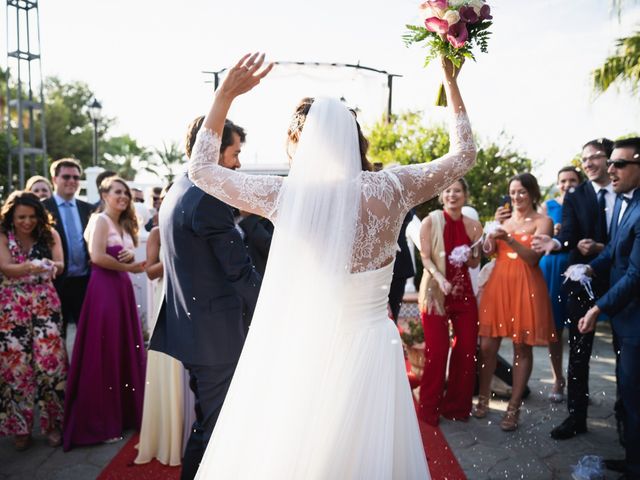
[
  {"x": 71, "y": 215},
  {"x": 620, "y": 262},
  {"x": 586, "y": 221}
]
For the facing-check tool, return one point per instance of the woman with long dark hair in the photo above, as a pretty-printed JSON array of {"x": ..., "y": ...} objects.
[
  {"x": 106, "y": 378},
  {"x": 33, "y": 360},
  {"x": 514, "y": 303}
]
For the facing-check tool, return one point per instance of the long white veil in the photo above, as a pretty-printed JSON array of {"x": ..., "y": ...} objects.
[{"x": 282, "y": 397}]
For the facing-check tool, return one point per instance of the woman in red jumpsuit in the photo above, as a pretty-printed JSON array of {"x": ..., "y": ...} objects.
[{"x": 446, "y": 296}]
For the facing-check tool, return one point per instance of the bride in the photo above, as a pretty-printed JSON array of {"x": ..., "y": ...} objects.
[{"x": 320, "y": 391}]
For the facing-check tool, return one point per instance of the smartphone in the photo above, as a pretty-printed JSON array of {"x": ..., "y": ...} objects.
[{"x": 505, "y": 202}]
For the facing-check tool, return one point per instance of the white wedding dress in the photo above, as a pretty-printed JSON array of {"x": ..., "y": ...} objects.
[{"x": 321, "y": 391}]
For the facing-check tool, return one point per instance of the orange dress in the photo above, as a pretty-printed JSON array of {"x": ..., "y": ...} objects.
[{"x": 515, "y": 301}]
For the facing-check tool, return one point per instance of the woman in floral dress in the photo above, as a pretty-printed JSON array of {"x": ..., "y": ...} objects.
[{"x": 33, "y": 361}]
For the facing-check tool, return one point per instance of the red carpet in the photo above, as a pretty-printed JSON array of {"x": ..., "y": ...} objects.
[
  {"x": 442, "y": 463},
  {"x": 122, "y": 467}
]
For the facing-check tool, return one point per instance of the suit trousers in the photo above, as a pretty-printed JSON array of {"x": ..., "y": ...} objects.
[
  {"x": 210, "y": 385},
  {"x": 580, "y": 346},
  {"x": 71, "y": 291},
  {"x": 396, "y": 293},
  {"x": 456, "y": 403},
  {"x": 628, "y": 374}
]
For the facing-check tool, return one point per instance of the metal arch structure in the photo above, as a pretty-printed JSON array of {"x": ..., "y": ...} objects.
[
  {"x": 23, "y": 57},
  {"x": 357, "y": 66}
]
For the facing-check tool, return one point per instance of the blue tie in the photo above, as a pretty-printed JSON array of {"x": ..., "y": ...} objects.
[
  {"x": 602, "y": 216},
  {"x": 614, "y": 218},
  {"x": 74, "y": 249}
]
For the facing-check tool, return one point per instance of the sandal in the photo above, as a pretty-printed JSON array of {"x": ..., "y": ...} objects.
[
  {"x": 21, "y": 442},
  {"x": 481, "y": 408},
  {"x": 509, "y": 421},
  {"x": 556, "y": 395},
  {"x": 54, "y": 438}
]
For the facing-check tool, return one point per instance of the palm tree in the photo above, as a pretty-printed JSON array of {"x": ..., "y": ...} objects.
[
  {"x": 165, "y": 159},
  {"x": 623, "y": 67}
]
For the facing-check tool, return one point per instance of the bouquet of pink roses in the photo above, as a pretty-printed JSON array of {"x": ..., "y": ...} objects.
[{"x": 451, "y": 28}]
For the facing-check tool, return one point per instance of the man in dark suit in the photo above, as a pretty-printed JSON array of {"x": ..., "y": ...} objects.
[
  {"x": 209, "y": 283},
  {"x": 258, "y": 232},
  {"x": 586, "y": 219},
  {"x": 71, "y": 216},
  {"x": 403, "y": 269},
  {"x": 620, "y": 262}
]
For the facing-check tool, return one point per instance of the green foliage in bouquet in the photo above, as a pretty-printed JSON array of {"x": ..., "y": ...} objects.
[{"x": 438, "y": 46}]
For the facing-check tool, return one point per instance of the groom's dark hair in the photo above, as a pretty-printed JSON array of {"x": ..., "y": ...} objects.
[{"x": 227, "y": 134}]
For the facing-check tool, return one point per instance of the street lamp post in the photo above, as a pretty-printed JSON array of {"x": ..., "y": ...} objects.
[{"x": 95, "y": 112}]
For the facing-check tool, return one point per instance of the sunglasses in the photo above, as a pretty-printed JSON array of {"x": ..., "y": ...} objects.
[
  {"x": 66, "y": 177},
  {"x": 618, "y": 164}
]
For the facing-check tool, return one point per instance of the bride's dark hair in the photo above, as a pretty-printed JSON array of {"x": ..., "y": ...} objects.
[{"x": 297, "y": 124}]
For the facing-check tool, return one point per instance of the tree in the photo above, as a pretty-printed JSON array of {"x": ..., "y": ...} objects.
[
  {"x": 163, "y": 162},
  {"x": 623, "y": 67},
  {"x": 124, "y": 155},
  {"x": 406, "y": 140},
  {"x": 68, "y": 127}
]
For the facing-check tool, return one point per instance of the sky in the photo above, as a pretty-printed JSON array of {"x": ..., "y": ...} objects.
[{"x": 144, "y": 60}]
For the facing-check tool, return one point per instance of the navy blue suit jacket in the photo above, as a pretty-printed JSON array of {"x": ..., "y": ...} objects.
[
  {"x": 209, "y": 279},
  {"x": 580, "y": 218},
  {"x": 620, "y": 260},
  {"x": 84, "y": 210}
]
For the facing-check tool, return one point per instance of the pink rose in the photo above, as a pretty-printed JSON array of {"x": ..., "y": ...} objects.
[
  {"x": 468, "y": 14},
  {"x": 458, "y": 34},
  {"x": 437, "y": 25},
  {"x": 485, "y": 12}
]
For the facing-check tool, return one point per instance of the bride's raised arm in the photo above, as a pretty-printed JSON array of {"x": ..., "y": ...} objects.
[
  {"x": 251, "y": 193},
  {"x": 423, "y": 181}
]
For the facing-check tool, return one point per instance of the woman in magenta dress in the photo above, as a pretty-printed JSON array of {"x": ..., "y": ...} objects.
[
  {"x": 446, "y": 295},
  {"x": 106, "y": 379}
]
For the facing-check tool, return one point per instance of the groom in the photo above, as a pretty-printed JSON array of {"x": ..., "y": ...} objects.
[{"x": 209, "y": 283}]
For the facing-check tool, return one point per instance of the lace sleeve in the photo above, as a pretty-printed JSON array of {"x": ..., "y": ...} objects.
[
  {"x": 251, "y": 193},
  {"x": 426, "y": 180}
]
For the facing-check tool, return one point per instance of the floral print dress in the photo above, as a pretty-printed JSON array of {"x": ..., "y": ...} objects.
[{"x": 33, "y": 360}]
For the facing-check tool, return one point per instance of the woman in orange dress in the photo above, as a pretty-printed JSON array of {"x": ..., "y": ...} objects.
[{"x": 515, "y": 302}]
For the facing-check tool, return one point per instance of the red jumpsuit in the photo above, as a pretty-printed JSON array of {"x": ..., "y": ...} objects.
[{"x": 462, "y": 310}]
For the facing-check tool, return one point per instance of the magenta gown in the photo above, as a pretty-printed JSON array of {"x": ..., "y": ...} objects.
[{"x": 105, "y": 386}]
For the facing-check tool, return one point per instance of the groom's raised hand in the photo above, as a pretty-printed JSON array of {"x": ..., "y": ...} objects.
[{"x": 242, "y": 77}]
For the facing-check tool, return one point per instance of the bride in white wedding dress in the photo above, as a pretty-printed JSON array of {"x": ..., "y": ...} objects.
[{"x": 321, "y": 391}]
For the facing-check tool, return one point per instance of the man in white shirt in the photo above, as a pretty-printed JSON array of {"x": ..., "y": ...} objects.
[{"x": 586, "y": 221}]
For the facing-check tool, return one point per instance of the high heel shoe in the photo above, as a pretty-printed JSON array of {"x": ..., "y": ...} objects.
[
  {"x": 509, "y": 421},
  {"x": 556, "y": 395},
  {"x": 481, "y": 408}
]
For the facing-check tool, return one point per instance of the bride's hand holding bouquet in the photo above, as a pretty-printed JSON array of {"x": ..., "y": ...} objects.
[{"x": 451, "y": 28}]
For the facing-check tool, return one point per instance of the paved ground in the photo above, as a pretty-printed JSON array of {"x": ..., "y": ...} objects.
[{"x": 483, "y": 450}]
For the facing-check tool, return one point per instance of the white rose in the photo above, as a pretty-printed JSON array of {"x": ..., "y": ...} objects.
[
  {"x": 425, "y": 11},
  {"x": 457, "y": 3},
  {"x": 452, "y": 17},
  {"x": 477, "y": 5}
]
